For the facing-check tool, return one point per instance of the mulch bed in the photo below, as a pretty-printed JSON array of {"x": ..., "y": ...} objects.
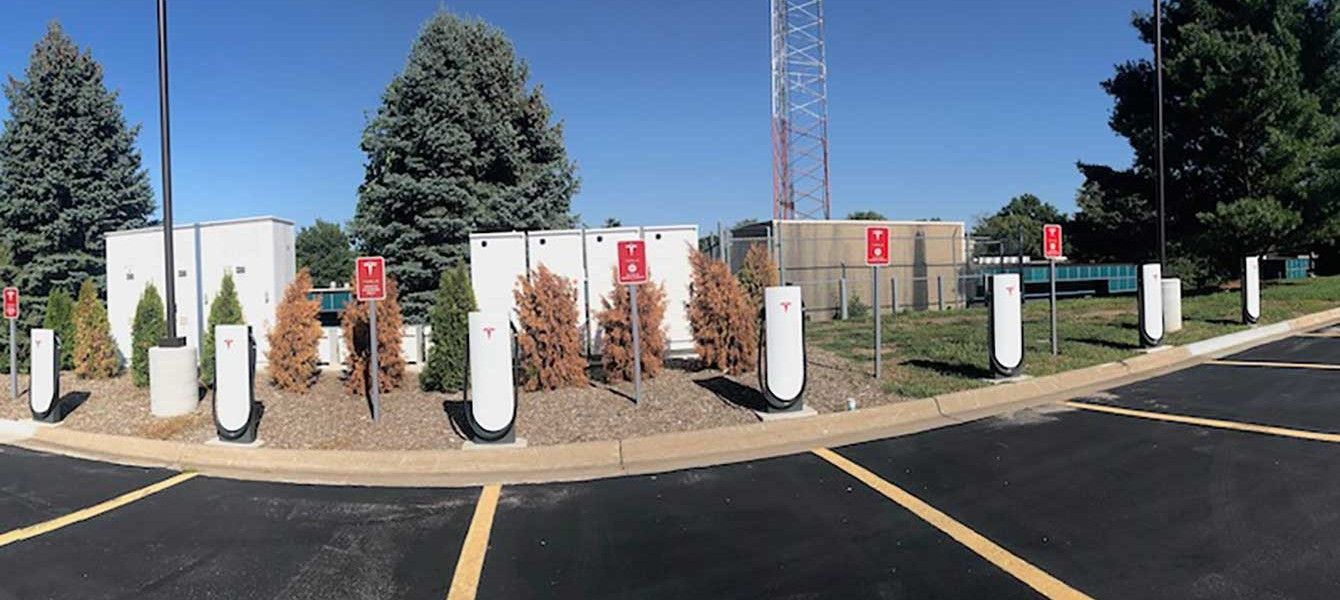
[{"x": 682, "y": 398}]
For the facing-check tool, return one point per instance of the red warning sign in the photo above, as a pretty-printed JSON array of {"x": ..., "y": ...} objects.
[
  {"x": 370, "y": 278},
  {"x": 876, "y": 246},
  {"x": 632, "y": 262},
  {"x": 11, "y": 303},
  {"x": 1051, "y": 241}
]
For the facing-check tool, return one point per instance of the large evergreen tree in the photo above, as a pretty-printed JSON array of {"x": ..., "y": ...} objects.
[
  {"x": 1021, "y": 218},
  {"x": 69, "y": 171},
  {"x": 460, "y": 144},
  {"x": 1250, "y": 100},
  {"x": 323, "y": 249}
]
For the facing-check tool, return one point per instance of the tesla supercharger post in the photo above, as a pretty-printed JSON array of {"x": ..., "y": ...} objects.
[
  {"x": 1005, "y": 326},
  {"x": 1150, "y": 296},
  {"x": 12, "y": 315},
  {"x": 781, "y": 369},
  {"x": 44, "y": 377},
  {"x": 370, "y": 286},
  {"x": 236, "y": 411},
  {"x": 1251, "y": 289},
  {"x": 490, "y": 402}
]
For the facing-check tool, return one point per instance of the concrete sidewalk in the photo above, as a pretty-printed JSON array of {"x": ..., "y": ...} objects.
[{"x": 658, "y": 453}]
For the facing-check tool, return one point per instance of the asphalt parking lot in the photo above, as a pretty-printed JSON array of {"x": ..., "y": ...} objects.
[{"x": 1217, "y": 481}]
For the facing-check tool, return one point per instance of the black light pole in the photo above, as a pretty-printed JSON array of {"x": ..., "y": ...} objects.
[
  {"x": 1158, "y": 85},
  {"x": 169, "y": 266}
]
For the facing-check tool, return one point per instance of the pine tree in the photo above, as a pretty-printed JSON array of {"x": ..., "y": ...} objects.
[
  {"x": 450, "y": 320},
  {"x": 323, "y": 249},
  {"x": 149, "y": 326},
  {"x": 226, "y": 309},
  {"x": 95, "y": 355},
  {"x": 69, "y": 171},
  {"x": 724, "y": 325},
  {"x": 616, "y": 328},
  {"x": 59, "y": 317},
  {"x": 294, "y": 339},
  {"x": 358, "y": 343},
  {"x": 460, "y": 144},
  {"x": 550, "y": 345}
]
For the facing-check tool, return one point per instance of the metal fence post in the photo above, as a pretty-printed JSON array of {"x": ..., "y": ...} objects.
[
  {"x": 893, "y": 295},
  {"x": 940, "y": 291},
  {"x": 842, "y": 290}
]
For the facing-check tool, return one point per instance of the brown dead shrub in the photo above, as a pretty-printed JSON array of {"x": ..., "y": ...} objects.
[
  {"x": 358, "y": 343},
  {"x": 546, "y": 306},
  {"x": 616, "y": 327},
  {"x": 725, "y": 328},
  {"x": 294, "y": 338}
]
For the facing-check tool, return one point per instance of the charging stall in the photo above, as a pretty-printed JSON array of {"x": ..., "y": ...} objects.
[
  {"x": 490, "y": 401},
  {"x": 237, "y": 414},
  {"x": 1005, "y": 325},
  {"x": 1150, "y": 294},
  {"x": 781, "y": 357},
  {"x": 1251, "y": 290},
  {"x": 44, "y": 377}
]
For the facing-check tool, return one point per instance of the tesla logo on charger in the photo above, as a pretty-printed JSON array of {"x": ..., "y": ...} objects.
[
  {"x": 228, "y": 343},
  {"x": 488, "y": 332},
  {"x": 786, "y": 307},
  {"x": 1009, "y": 289}
]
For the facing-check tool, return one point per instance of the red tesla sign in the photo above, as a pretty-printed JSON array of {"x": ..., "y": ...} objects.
[
  {"x": 632, "y": 262},
  {"x": 1051, "y": 241},
  {"x": 876, "y": 246},
  {"x": 11, "y": 303},
  {"x": 370, "y": 278}
]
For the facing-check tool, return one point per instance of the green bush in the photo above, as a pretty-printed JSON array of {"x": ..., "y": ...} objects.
[
  {"x": 857, "y": 309},
  {"x": 149, "y": 326},
  {"x": 60, "y": 318},
  {"x": 455, "y": 299},
  {"x": 226, "y": 309}
]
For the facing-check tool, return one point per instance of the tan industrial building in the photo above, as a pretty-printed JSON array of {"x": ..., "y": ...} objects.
[{"x": 928, "y": 262}]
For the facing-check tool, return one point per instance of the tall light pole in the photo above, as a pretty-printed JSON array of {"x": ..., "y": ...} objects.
[
  {"x": 172, "y": 340},
  {"x": 1158, "y": 86}
]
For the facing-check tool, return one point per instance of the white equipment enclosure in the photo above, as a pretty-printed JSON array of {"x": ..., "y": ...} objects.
[
  {"x": 781, "y": 369},
  {"x": 236, "y": 412},
  {"x": 491, "y": 399},
  {"x": 1251, "y": 289},
  {"x": 44, "y": 387},
  {"x": 1151, "y": 304},
  {"x": 1005, "y": 325}
]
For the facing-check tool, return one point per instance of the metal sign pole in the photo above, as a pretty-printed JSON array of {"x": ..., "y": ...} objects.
[
  {"x": 874, "y": 296},
  {"x": 13, "y": 362},
  {"x": 637, "y": 346},
  {"x": 1052, "y": 279},
  {"x": 374, "y": 371}
]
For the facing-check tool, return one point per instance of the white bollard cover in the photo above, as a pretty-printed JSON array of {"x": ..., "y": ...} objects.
[
  {"x": 492, "y": 392},
  {"x": 785, "y": 341},
  {"x": 42, "y": 385},
  {"x": 232, "y": 376}
]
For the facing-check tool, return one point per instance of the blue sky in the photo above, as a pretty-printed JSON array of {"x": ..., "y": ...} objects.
[{"x": 938, "y": 108}]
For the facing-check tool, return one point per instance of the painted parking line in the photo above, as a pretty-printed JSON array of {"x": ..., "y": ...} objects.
[
  {"x": 85, "y": 514},
  {"x": 465, "y": 583},
  {"x": 1020, "y": 569},
  {"x": 1216, "y": 423},
  {"x": 1275, "y": 364}
]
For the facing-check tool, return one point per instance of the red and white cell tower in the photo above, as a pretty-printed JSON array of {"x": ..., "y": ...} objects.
[{"x": 799, "y": 111}]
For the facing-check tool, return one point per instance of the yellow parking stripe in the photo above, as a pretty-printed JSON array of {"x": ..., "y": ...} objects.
[
  {"x": 465, "y": 583},
  {"x": 31, "y": 531},
  {"x": 1277, "y": 365},
  {"x": 1030, "y": 575},
  {"x": 1217, "y": 423}
]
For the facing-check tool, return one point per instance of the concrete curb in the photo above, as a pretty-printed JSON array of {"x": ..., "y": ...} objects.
[{"x": 651, "y": 454}]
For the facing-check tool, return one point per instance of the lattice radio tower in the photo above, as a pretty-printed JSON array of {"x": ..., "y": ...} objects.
[{"x": 799, "y": 111}]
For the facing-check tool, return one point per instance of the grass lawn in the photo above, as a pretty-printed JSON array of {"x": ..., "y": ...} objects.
[{"x": 932, "y": 352}]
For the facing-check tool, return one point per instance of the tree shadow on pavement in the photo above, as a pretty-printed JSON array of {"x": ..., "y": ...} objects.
[{"x": 733, "y": 392}]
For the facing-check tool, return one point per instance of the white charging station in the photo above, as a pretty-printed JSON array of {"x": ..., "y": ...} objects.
[
  {"x": 1150, "y": 298},
  {"x": 1251, "y": 290},
  {"x": 491, "y": 399},
  {"x": 1005, "y": 325},
  {"x": 237, "y": 414},
  {"x": 781, "y": 369},
  {"x": 44, "y": 377}
]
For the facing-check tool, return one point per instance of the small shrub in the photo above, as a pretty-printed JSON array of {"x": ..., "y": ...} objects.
[
  {"x": 757, "y": 273},
  {"x": 226, "y": 309},
  {"x": 856, "y": 309},
  {"x": 724, "y": 325},
  {"x": 149, "y": 326},
  {"x": 616, "y": 326},
  {"x": 59, "y": 317},
  {"x": 546, "y": 306},
  {"x": 294, "y": 338},
  {"x": 449, "y": 317},
  {"x": 358, "y": 343},
  {"x": 95, "y": 355}
]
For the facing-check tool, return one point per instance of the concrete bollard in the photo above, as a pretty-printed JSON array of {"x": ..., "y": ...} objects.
[
  {"x": 173, "y": 382},
  {"x": 1172, "y": 304}
]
